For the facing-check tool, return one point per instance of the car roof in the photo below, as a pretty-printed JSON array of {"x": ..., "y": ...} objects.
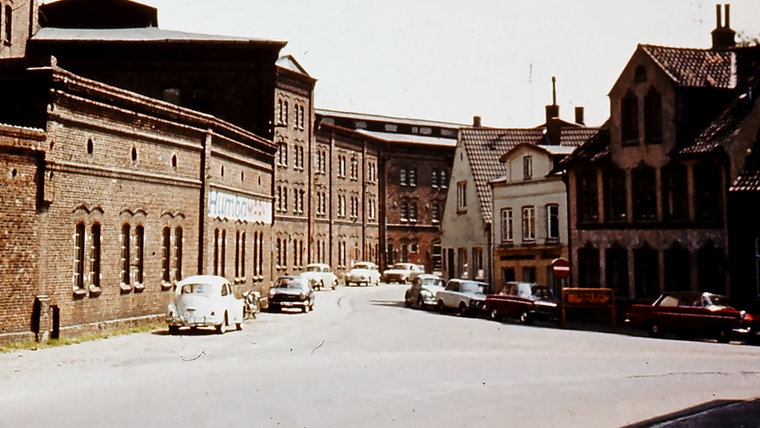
[
  {"x": 318, "y": 264},
  {"x": 215, "y": 280}
]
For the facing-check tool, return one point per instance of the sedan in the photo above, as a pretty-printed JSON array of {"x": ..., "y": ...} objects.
[
  {"x": 291, "y": 292},
  {"x": 401, "y": 272},
  {"x": 525, "y": 301},
  {"x": 319, "y": 276},
  {"x": 204, "y": 301},
  {"x": 464, "y": 296},
  {"x": 363, "y": 273},
  {"x": 422, "y": 292}
]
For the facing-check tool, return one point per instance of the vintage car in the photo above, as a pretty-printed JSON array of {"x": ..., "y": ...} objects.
[
  {"x": 688, "y": 314},
  {"x": 401, "y": 273},
  {"x": 465, "y": 296},
  {"x": 422, "y": 292},
  {"x": 319, "y": 276},
  {"x": 527, "y": 302},
  {"x": 291, "y": 292},
  {"x": 363, "y": 273},
  {"x": 204, "y": 301}
]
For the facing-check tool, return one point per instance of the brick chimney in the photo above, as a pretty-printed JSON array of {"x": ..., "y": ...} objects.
[
  {"x": 476, "y": 121},
  {"x": 553, "y": 122},
  {"x": 579, "y": 115},
  {"x": 723, "y": 35}
]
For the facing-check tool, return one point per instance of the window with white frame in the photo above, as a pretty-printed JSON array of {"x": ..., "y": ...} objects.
[
  {"x": 507, "y": 225},
  {"x": 527, "y": 167},
  {"x": 403, "y": 173},
  {"x": 529, "y": 224}
]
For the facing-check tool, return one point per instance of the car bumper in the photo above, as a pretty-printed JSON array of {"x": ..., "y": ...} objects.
[{"x": 195, "y": 321}]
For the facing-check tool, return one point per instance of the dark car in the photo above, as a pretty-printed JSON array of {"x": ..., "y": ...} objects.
[
  {"x": 525, "y": 301},
  {"x": 688, "y": 314},
  {"x": 291, "y": 292}
]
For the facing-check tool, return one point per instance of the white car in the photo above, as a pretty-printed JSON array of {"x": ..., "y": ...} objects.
[
  {"x": 204, "y": 301},
  {"x": 319, "y": 276},
  {"x": 402, "y": 273},
  {"x": 465, "y": 296},
  {"x": 366, "y": 273}
]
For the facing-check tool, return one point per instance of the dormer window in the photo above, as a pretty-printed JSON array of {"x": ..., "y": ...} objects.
[
  {"x": 629, "y": 119},
  {"x": 527, "y": 167},
  {"x": 8, "y": 33}
]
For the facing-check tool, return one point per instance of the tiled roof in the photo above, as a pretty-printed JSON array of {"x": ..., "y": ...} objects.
[
  {"x": 749, "y": 178},
  {"x": 696, "y": 67},
  {"x": 595, "y": 148},
  {"x": 484, "y": 147}
]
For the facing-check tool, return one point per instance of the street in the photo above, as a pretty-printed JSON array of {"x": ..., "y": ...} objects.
[{"x": 361, "y": 359}]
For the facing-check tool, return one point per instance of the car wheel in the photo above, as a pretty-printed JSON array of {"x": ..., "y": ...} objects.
[
  {"x": 462, "y": 310},
  {"x": 525, "y": 318},
  {"x": 321, "y": 285},
  {"x": 441, "y": 307},
  {"x": 222, "y": 328},
  {"x": 305, "y": 308},
  {"x": 724, "y": 335},
  {"x": 655, "y": 330},
  {"x": 239, "y": 325},
  {"x": 334, "y": 285},
  {"x": 495, "y": 314},
  {"x": 407, "y": 302},
  {"x": 173, "y": 329},
  {"x": 420, "y": 303}
]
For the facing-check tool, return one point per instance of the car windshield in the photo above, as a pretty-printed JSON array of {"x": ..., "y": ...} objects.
[
  {"x": 715, "y": 300},
  {"x": 542, "y": 292},
  {"x": 313, "y": 269},
  {"x": 474, "y": 287},
  {"x": 401, "y": 266},
  {"x": 288, "y": 283},
  {"x": 202, "y": 289},
  {"x": 432, "y": 281},
  {"x": 362, "y": 266}
]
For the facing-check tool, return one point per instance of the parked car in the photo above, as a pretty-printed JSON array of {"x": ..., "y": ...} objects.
[
  {"x": 204, "y": 301},
  {"x": 319, "y": 276},
  {"x": 291, "y": 292},
  {"x": 363, "y": 273},
  {"x": 688, "y": 314},
  {"x": 465, "y": 296},
  {"x": 422, "y": 292},
  {"x": 401, "y": 273},
  {"x": 525, "y": 301}
]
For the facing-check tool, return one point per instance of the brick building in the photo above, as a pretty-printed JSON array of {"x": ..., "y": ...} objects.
[
  {"x": 113, "y": 196},
  {"x": 414, "y": 159},
  {"x": 659, "y": 197}
]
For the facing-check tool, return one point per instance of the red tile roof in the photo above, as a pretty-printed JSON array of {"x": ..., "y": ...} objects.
[{"x": 696, "y": 67}]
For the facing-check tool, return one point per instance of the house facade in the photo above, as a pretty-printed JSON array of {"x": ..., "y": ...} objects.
[
  {"x": 650, "y": 194},
  {"x": 468, "y": 238},
  {"x": 530, "y": 216}
]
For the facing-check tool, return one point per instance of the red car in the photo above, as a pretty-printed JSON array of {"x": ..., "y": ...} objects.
[
  {"x": 688, "y": 314},
  {"x": 525, "y": 301}
]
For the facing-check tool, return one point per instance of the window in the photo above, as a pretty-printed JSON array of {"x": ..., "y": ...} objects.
[
  {"x": 588, "y": 196},
  {"x": 629, "y": 119},
  {"x": 412, "y": 177},
  {"x": 8, "y": 25},
  {"x": 552, "y": 222},
  {"x": 178, "y": 253},
  {"x": 653, "y": 117},
  {"x": 711, "y": 268},
  {"x": 139, "y": 254},
  {"x": 615, "y": 195},
  {"x": 402, "y": 176},
  {"x": 436, "y": 212},
  {"x": 354, "y": 169},
  {"x": 528, "y": 224},
  {"x": 477, "y": 262},
  {"x": 462, "y": 196},
  {"x": 412, "y": 210},
  {"x": 616, "y": 258},
  {"x": 95, "y": 255},
  {"x": 126, "y": 274},
  {"x": 675, "y": 192},
  {"x": 646, "y": 268},
  {"x": 79, "y": 244},
  {"x": 282, "y": 155},
  {"x": 166, "y": 254},
  {"x": 434, "y": 181},
  {"x": 404, "y": 210},
  {"x": 216, "y": 251},
  {"x": 527, "y": 167},
  {"x": 301, "y": 124},
  {"x": 588, "y": 267},
  {"x": 677, "y": 263},
  {"x": 507, "y": 225},
  {"x": 708, "y": 183},
  {"x": 643, "y": 181}
]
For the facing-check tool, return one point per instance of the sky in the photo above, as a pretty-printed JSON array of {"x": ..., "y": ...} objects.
[{"x": 450, "y": 60}]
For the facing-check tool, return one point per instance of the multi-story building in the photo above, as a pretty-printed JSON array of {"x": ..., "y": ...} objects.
[
  {"x": 653, "y": 196},
  {"x": 293, "y": 135},
  {"x": 467, "y": 238},
  {"x": 412, "y": 172}
]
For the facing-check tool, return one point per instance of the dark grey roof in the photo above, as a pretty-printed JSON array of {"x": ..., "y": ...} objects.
[{"x": 146, "y": 34}]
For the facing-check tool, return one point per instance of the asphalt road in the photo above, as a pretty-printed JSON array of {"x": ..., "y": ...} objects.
[{"x": 361, "y": 359}]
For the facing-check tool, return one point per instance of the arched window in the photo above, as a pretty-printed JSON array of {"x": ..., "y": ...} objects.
[
  {"x": 8, "y": 25},
  {"x": 677, "y": 268},
  {"x": 616, "y": 268},
  {"x": 588, "y": 266},
  {"x": 644, "y": 192},
  {"x": 653, "y": 117},
  {"x": 629, "y": 118},
  {"x": 646, "y": 272}
]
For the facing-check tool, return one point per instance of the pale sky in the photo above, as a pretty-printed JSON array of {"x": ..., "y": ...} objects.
[{"x": 450, "y": 60}]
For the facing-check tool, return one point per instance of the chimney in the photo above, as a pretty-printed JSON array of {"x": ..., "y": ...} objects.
[
  {"x": 476, "y": 121},
  {"x": 723, "y": 37},
  {"x": 552, "y": 110},
  {"x": 579, "y": 115}
]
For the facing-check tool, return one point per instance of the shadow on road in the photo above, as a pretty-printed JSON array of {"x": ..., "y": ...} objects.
[
  {"x": 716, "y": 413},
  {"x": 391, "y": 303}
]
